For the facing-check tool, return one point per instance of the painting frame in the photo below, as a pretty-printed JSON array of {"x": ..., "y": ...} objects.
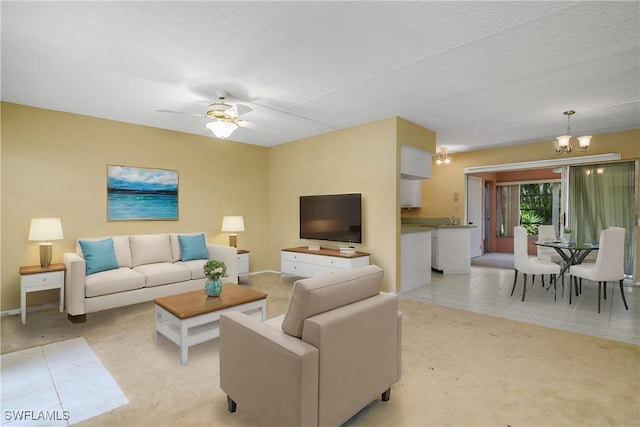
[{"x": 142, "y": 194}]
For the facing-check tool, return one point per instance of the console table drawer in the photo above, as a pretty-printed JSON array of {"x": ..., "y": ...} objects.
[
  {"x": 296, "y": 268},
  {"x": 297, "y": 257},
  {"x": 333, "y": 262}
]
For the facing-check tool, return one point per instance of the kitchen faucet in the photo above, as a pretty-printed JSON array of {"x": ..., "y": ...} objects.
[{"x": 452, "y": 220}]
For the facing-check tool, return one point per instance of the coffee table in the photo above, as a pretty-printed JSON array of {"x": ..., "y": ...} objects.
[{"x": 193, "y": 317}]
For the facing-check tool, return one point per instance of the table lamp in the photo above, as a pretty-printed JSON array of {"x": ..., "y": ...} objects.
[
  {"x": 45, "y": 230},
  {"x": 231, "y": 225}
]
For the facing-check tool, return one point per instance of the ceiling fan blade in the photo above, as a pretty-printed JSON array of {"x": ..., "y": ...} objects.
[
  {"x": 246, "y": 124},
  {"x": 283, "y": 111},
  {"x": 238, "y": 110},
  {"x": 180, "y": 112}
]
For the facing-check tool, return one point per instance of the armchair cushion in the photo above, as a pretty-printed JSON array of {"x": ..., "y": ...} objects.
[{"x": 318, "y": 295}]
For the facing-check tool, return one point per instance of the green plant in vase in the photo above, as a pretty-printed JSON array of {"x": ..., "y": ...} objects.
[
  {"x": 214, "y": 270},
  {"x": 568, "y": 235}
]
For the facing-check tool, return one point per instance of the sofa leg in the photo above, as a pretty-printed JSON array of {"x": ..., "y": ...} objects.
[
  {"x": 81, "y": 318},
  {"x": 231, "y": 405},
  {"x": 386, "y": 395}
]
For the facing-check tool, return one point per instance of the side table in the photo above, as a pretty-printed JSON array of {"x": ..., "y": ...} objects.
[
  {"x": 243, "y": 262},
  {"x": 34, "y": 278}
]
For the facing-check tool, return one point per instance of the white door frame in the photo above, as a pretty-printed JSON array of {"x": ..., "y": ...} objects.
[{"x": 474, "y": 213}]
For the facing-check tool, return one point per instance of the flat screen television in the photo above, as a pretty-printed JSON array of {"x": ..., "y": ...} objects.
[{"x": 334, "y": 217}]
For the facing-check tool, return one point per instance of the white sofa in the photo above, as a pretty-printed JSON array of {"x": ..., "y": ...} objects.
[{"x": 138, "y": 268}]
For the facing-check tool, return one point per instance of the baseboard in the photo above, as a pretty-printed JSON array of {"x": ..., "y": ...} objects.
[{"x": 32, "y": 308}]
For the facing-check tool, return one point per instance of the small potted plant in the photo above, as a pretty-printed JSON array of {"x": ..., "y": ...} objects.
[
  {"x": 568, "y": 235},
  {"x": 214, "y": 270}
]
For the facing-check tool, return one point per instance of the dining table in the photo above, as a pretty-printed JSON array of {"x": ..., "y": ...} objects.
[{"x": 572, "y": 253}]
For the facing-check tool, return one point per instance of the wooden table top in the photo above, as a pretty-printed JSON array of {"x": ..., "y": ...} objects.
[
  {"x": 194, "y": 303},
  {"x": 34, "y": 269}
]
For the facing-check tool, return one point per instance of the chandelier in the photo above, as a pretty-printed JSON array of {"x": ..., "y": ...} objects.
[
  {"x": 442, "y": 156},
  {"x": 564, "y": 141}
]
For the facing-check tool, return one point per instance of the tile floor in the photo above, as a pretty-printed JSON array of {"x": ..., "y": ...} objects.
[
  {"x": 45, "y": 386},
  {"x": 488, "y": 291}
]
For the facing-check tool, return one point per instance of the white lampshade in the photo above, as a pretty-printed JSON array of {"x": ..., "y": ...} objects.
[
  {"x": 584, "y": 141},
  {"x": 45, "y": 229},
  {"x": 563, "y": 140},
  {"x": 232, "y": 224},
  {"x": 222, "y": 128}
]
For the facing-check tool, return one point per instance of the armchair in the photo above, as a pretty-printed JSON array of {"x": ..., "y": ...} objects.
[{"x": 335, "y": 350}]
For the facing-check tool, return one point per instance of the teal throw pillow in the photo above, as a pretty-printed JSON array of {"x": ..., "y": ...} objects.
[
  {"x": 193, "y": 247},
  {"x": 99, "y": 255}
]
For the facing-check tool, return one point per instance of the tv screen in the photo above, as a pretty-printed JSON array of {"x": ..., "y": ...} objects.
[{"x": 335, "y": 217}]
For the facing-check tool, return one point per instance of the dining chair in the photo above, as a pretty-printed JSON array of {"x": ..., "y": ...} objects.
[
  {"x": 545, "y": 253},
  {"x": 529, "y": 265},
  {"x": 609, "y": 265}
]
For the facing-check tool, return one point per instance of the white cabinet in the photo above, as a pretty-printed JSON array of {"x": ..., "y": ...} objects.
[
  {"x": 414, "y": 163},
  {"x": 243, "y": 262},
  {"x": 415, "y": 270},
  {"x": 450, "y": 250},
  {"x": 325, "y": 262},
  {"x": 410, "y": 193}
]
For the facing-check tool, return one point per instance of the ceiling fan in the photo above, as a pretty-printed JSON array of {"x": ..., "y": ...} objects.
[{"x": 225, "y": 118}]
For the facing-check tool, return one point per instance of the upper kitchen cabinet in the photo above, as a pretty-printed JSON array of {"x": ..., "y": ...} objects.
[{"x": 414, "y": 163}]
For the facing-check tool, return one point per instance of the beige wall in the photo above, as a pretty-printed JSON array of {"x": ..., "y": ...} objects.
[
  {"x": 55, "y": 164},
  {"x": 449, "y": 179},
  {"x": 353, "y": 160}
]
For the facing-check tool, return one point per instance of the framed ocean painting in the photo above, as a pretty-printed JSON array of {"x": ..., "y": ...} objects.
[{"x": 141, "y": 194}]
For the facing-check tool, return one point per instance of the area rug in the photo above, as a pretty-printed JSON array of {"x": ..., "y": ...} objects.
[
  {"x": 59, "y": 384},
  {"x": 494, "y": 259}
]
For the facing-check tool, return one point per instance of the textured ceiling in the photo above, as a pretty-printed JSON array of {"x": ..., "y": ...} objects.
[{"x": 479, "y": 74}]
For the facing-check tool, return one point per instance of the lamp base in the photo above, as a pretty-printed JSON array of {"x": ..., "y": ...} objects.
[
  {"x": 233, "y": 240},
  {"x": 46, "y": 249}
]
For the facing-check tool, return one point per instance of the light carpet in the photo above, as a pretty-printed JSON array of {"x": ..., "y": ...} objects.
[
  {"x": 458, "y": 368},
  {"x": 57, "y": 384}
]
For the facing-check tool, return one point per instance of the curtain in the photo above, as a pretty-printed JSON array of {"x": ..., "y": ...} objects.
[
  {"x": 602, "y": 196},
  {"x": 508, "y": 209}
]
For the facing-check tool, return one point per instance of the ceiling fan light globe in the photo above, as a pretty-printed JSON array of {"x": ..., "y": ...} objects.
[{"x": 222, "y": 128}]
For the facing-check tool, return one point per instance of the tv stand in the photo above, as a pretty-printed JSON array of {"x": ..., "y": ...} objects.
[{"x": 303, "y": 262}]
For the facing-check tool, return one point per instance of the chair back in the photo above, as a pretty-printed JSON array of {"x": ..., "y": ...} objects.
[
  {"x": 545, "y": 233},
  {"x": 610, "y": 259},
  {"x": 520, "y": 252}
]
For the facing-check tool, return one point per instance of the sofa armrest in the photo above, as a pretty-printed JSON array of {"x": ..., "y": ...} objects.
[
  {"x": 273, "y": 377},
  {"x": 228, "y": 255},
  {"x": 74, "y": 283}
]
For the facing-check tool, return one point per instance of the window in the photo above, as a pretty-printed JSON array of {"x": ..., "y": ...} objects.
[{"x": 529, "y": 204}]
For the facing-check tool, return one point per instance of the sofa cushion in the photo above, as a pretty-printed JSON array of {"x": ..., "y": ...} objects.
[
  {"x": 193, "y": 247},
  {"x": 175, "y": 244},
  {"x": 150, "y": 249},
  {"x": 162, "y": 273},
  {"x": 318, "y": 295},
  {"x": 99, "y": 255},
  {"x": 120, "y": 245},
  {"x": 112, "y": 282},
  {"x": 195, "y": 267}
]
